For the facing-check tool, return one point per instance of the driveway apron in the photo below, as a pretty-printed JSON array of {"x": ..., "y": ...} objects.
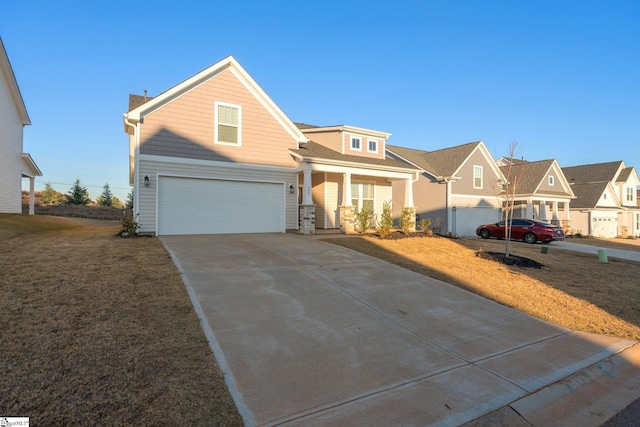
[{"x": 309, "y": 333}]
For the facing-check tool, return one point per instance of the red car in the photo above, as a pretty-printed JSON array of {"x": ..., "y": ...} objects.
[{"x": 529, "y": 230}]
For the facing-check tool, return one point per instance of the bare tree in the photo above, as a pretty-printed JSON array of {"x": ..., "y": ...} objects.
[{"x": 509, "y": 188}]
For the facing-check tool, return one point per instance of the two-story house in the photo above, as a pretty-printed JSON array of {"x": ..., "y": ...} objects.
[
  {"x": 15, "y": 164},
  {"x": 457, "y": 189},
  {"x": 214, "y": 154},
  {"x": 606, "y": 202},
  {"x": 540, "y": 190}
]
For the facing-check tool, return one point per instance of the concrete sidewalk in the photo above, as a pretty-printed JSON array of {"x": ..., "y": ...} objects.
[
  {"x": 309, "y": 333},
  {"x": 590, "y": 249}
]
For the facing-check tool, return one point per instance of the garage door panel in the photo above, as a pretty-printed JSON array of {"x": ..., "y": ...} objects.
[
  {"x": 466, "y": 220},
  {"x": 207, "y": 206}
]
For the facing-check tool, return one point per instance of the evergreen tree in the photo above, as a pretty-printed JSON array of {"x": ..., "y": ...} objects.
[
  {"x": 129, "y": 204},
  {"x": 117, "y": 203},
  {"x": 51, "y": 196},
  {"x": 106, "y": 198},
  {"x": 78, "y": 195}
]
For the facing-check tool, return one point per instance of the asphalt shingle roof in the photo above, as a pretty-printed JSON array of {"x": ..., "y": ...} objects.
[
  {"x": 587, "y": 195},
  {"x": 314, "y": 150},
  {"x": 443, "y": 162},
  {"x": 598, "y": 172},
  {"x": 530, "y": 174},
  {"x": 137, "y": 100}
]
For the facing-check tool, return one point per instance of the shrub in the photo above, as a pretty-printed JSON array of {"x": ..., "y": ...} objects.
[
  {"x": 407, "y": 220},
  {"x": 424, "y": 226},
  {"x": 129, "y": 226},
  {"x": 363, "y": 220},
  {"x": 386, "y": 220}
]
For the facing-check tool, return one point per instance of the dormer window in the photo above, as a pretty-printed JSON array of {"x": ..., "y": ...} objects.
[
  {"x": 355, "y": 143},
  {"x": 551, "y": 180},
  {"x": 373, "y": 146}
]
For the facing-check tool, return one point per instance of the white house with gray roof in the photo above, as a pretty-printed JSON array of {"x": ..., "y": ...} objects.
[
  {"x": 606, "y": 203},
  {"x": 15, "y": 164}
]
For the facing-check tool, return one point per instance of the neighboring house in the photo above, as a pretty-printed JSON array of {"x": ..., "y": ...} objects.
[
  {"x": 606, "y": 203},
  {"x": 541, "y": 190},
  {"x": 14, "y": 163},
  {"x": 214, "y": 154},
  {"x": 458, "y": 187}
]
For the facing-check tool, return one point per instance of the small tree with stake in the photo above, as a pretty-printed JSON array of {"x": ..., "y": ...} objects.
[
  {"x": 78, "y": 195},
  {"x": 509, "y": 188}
]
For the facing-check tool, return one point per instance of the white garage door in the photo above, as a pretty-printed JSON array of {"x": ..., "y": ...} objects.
[
  {"x": 466, "y": 220},
  {"x": 604, "y": 227},
  {"x": 208, "y": 206}
]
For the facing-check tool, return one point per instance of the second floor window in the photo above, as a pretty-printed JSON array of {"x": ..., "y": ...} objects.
[
  {"x": 373, "y": 146},
  {"x": 228, "y": 124},
  {"x": 477, "y": 177},
  {"x": 629, "y": 194},
  {"x": 355, "y": 143}
]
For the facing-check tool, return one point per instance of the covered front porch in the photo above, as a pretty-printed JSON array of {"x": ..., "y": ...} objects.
[
  {"x": 553, "y": 211},
  {"x": 330, "y": 195}
]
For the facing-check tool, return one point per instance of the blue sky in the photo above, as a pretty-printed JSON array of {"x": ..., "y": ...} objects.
[{"x": 561, "y": 78}]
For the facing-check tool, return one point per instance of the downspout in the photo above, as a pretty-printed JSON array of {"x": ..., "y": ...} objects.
[{"x": 136, "y": 161}]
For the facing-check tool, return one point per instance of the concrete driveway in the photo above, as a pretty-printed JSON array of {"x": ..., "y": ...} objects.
[{"x": 309, "y": 333}]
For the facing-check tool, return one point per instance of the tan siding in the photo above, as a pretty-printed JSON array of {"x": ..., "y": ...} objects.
[
  {"x": 364, "y": 141},
  {"x": 465, "y": 185},
  {"x": 185, "y": 127},
  {"x": 557, "y": 183},
  {"x": 147, "y": 195},
  {"x": 330, "y": 140},
  {"x": 10, "y": 152},
  {"x": 429, "y": 198}
]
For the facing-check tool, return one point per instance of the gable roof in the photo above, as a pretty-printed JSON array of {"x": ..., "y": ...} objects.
[
  {"x": 624, "y": 174},
  {"x": 228, "y": 63},
  {"x": 597, "y": 172},
  {"x": 531, "y": 174},
  {"x": 314, "y": 150},
  {"x": 587, "y": 194},
  {"x": 7, "y": 71},
  {"x": 441, "y": 163}
]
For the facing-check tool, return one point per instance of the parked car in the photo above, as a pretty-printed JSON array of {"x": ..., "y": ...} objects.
[{"x": 529, "y": 230}]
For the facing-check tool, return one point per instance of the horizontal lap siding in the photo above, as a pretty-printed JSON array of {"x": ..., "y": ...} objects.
[
  {"x": 147, "y": 195},
  {"x": 332, "y": 139},
  {"x": 10, "y": 152},
  {"x": 185, "y": 127}
]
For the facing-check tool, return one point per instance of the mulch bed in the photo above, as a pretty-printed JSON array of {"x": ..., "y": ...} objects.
[{"x": 513, "y": 260}]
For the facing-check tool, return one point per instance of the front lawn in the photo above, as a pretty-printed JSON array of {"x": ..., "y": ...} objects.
[
  {"x": 99, "y": 330},
  {"x": 571, "y": 289}
]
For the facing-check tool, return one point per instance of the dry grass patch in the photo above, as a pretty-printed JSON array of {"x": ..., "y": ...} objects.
[
  {"x": 98, "y": 329},
  {"x": 571, "y": 289}
]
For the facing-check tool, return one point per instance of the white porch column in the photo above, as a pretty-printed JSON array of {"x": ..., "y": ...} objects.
[
  {"x": 306, "y": 187},
  {"x": 408, "y": 193},
  {"x": 347, "y": 222},
  {"x": 307, "y": 208},
  {"x": 346, "y": 189},
  {"x": 529, "y": 209},
  {"x": 32, "y": 181}
]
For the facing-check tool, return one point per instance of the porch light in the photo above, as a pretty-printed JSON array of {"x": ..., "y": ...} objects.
[
  {"x": 147, "y": 180},
  {"x": 292, "y": 189}
]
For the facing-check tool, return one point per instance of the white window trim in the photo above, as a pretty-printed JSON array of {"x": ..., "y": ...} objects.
[
  {"x": 351, "y": 138},
  {"x": 481, "y": 177},
  {"x": 216, "y": 104},
  {"x": 551, "y": 181},
  {"x": 375, "y": 192},
  {"x": 369, "y": 140}
]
